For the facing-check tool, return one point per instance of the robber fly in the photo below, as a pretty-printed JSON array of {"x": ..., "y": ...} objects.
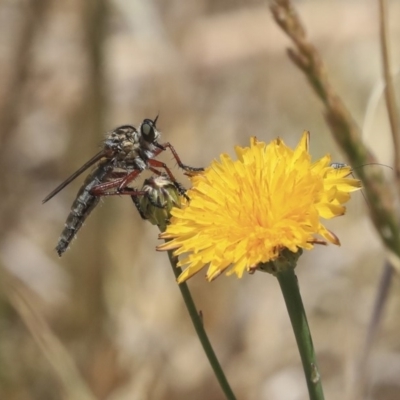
[{"x": 126, "y": 152}]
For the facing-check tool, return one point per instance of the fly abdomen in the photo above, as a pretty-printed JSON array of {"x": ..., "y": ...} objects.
[{"x": 83, "y": 205}]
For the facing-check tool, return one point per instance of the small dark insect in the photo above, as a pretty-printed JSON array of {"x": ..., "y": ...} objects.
[
  {"x": 127, "y": 151},
  {"x": 337, "y": 165}
]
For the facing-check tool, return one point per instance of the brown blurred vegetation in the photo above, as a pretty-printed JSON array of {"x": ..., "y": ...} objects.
[{"x": 107, "y": 321}]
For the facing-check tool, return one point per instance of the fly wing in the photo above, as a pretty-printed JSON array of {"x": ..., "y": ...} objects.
[{"x": 84, "y": 167}]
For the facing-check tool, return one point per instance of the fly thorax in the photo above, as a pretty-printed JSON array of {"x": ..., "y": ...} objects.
[
  {"x": 121, "y": 139},
  {"x": 131, "y": 151}
]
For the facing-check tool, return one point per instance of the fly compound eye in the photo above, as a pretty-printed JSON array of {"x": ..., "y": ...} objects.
[{"x": 148, "y": 130}]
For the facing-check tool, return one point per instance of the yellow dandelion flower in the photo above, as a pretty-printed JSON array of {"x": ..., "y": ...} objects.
[{"x": 248, "y": 211}]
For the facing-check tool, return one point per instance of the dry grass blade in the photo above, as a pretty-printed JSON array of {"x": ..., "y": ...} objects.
[
  {"x": 390, "y": 97},
  {"x": 362, "y": 383},
  {"x": 21, "y": 299}
]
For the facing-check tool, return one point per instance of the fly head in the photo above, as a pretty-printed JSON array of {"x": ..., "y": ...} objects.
[{"x": 148, "y": 131}]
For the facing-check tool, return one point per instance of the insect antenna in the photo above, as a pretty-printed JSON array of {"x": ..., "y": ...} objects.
[{"x": 374, "y": 163}]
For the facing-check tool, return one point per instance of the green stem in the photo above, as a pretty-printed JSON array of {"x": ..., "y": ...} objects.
[
  {"x": 201, "y": 333},
  {"x": 291, "y": 293}
]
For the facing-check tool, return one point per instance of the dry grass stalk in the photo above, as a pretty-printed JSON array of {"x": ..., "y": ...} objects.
[{"x": 23, "y": 301}]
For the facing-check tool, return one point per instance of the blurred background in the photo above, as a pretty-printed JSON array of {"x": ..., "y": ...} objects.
[{"x": 106, "y": 321}]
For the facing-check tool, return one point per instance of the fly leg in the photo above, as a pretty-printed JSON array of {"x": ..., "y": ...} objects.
[
  {"x": 153, "y": 164},
  {"x": 121, "y": 184},
  {"x": 118, "y": 184},
  {"x": 103, "y": 190},
  {"x": 186, "y": 168},
  {"x": 135, "y": 194}
]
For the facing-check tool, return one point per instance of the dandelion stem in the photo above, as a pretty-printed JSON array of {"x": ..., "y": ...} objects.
[
  {"x": 162, "y": 193},
  {"x": 294, "y": 304},
  {"x": 201, "y": 333}
]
